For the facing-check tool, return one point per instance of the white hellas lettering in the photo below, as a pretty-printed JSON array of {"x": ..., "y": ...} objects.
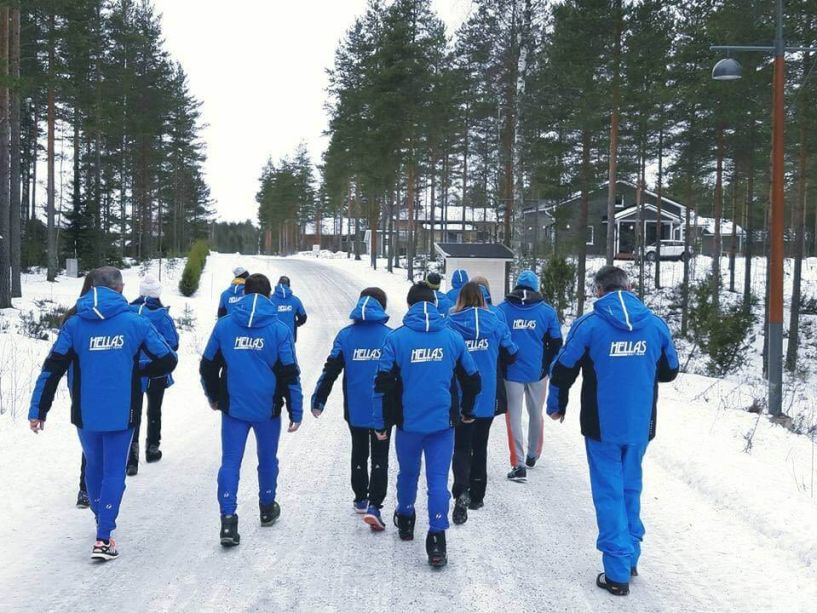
[
  {"x": 524, "y": 324},
  {"x": 106, "y": 343},
  {"x": 362, "y": 354},
  {"x": 628, "y": 349},
  {"x": 477, "y": 344},
  {"x": 426, "y": 354},
  {"x": 284, "y": 308},
  {"x": 249, "y": 343}
]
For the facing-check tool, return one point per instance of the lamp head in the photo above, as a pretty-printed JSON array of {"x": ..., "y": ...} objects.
[{"x": 727, "y": 69}]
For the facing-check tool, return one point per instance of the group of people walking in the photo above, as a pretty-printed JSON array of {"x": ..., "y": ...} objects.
[{"x": 435, "y": 384}]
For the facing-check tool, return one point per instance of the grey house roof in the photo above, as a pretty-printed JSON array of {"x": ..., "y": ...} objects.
[{"x": 493, "y": 251}]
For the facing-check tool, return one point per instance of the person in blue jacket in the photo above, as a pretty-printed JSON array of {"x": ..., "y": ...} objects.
[
  {"x": 488, "y": 341},
  {"x": 535, "y": 329},
  {"x": 101, "y": 345},
  {"x": 150, "y": 305},
  {"x": 289, "y": 307},
  {"x": 415, "y": 389},
  {"x": 356, "y": 352},
  {"x": 441, "y": 301},
  {"x": 248, "y": 369},
  {"x": 458, "y": 278},
  {"x": 623, "y": 351},
  {"x": 230, "y": 296}
]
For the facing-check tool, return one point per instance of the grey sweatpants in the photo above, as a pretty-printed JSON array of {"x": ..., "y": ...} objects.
[{"x": 533, "y": 395}]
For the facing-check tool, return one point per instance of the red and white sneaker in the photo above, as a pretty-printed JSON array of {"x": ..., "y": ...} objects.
[
  {"x": 372, "y": 518},
  {"x": 104, "y": 551}
]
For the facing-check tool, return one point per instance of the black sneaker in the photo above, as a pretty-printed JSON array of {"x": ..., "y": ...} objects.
[
  {"x": 530, "y": 462},
  {"x": 460, "y": 514},
  {"x": 518, "y": 474},
  {"x": 634, "y": 571},
  {"x": 476, "y": 505},
  {"x": 229, "y": 531},
  {"x": 133, "y": 459},
  {"x": 83, "y": 502},
  {"x": 153, "y": 454},
  {"x": 405, "y": 526},
  {"x": 614, "y": 587},
  {"x": 269, "y": 513},
  {"x": 104, "y": 550},
  {"x": 133, "y": 469},
  {"x": 435, "y": 548}
]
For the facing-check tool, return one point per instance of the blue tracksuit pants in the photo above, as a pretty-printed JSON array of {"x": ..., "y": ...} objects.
[
  {"x": 234, "y": 434},
  {"x": 437, "y": 447},
  {"x": 615, "y": 480},
  {"x": 106, "y": 457}
]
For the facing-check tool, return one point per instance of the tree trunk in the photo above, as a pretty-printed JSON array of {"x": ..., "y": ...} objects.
[
  {"x": 734, "y": 234},
  {"x": 717, "y": 214},
  {"x": 639, "y": 199},
  {"x": 51, "y": 188},
  {"x": 658, "y": 206},
  {"x": 749, "y": 230},
  {"x": 5, "y": 204},
  {"x": 799, "y": 223},
  {"x": 614, "y": 120},
  {"x": 433, "y": 206},
  {"x": 410, "y": 192},
  {"x": 16, "y": 202},
  {"x": 685, "y": 285},
  {"x": 581, "y": 269}
]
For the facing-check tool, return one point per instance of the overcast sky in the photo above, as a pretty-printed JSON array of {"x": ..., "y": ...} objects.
[{"x": 259, "y": 68}]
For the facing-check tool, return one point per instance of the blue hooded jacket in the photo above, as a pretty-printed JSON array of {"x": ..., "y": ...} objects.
[
  {"x": 249, "y": 365},
  {"x": 443, "y": 304},
  {"x": 535, "y": 328},
  {"x": 421, "y": 362},
  {"x": 486, "y": 295},
  {"x": 458, "y": 278},
  {"x": 356, "y": 351},
  {"x": 289, "y": 308},
  {"x": 102, "y": 345},
  {"x": 231, "y": 296},
  {"x": 624, "y": 351},
  {"x": 487, "y": 338},
  {"x": 159, "y": 316}
]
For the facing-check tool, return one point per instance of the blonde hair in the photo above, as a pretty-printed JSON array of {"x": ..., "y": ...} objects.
[
  {"x": 470, "y": 296},
  {"x": 480, "y": 280}
]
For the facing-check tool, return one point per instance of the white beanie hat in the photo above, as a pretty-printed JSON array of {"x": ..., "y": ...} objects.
[
  {"x": 238, "y": 271},
  {"x": 150, "y": 287}
]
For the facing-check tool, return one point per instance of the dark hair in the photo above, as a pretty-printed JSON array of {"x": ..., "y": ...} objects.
[
  {"x": 376, "y": 293},
  {"x": 284, "y": 280},
  {"x": 257, "y": 284},
  {"x": 420, "y": 292},
  {"x": 87, "y": 284},
  {"x": 470, "y": 296},
  {"x": 611, "y": 279},
  {"x": 108, "y": 276}
]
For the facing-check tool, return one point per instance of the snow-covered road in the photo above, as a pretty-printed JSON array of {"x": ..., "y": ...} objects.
[{"x": 531, "y": 548}]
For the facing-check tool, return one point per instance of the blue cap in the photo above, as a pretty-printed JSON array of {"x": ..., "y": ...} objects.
[{"x": 529, "y": 279}]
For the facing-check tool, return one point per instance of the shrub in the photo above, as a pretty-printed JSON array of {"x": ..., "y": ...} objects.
[
  {"x": 724, "y": 332},
  {"x": 559, "y": 284},
  {"x": 41, "y": 323},
  {"x": 187, "y": 320},
  {"x": 192, "y": 270}
]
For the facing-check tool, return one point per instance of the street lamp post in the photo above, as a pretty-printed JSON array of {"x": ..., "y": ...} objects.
[{"x": 729, "y": 69}]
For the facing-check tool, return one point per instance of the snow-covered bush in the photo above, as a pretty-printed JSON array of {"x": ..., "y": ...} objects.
[
  {"x": 192, "y": 270},
  {"x": 40, "y": 324}
]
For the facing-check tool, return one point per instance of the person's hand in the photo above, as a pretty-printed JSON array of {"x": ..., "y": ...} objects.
[
  {"x": 316, "y": 413},
  {"x": 293, "y": 426},
  {"x": 467, "y": 419},
  {"x": 381, "y": 435},
  {"x": 560, "y": 417},
  {"x": 36, "y": 425},
  {"x": 214, "y": 406}
]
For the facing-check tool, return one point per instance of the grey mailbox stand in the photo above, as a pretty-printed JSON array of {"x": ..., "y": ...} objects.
[{"x": 486, "y": 259}]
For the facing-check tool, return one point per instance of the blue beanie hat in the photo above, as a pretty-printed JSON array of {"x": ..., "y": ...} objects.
[{"x": 529, "y": 280}]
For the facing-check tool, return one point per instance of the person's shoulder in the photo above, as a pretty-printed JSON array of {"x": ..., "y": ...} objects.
[{"x": 660, "y": 323}]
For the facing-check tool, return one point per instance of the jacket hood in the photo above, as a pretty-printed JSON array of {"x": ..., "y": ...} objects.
[
  {"x": 474, "y": 323},
  {"x": 459, "y": 278},
  {"x": 486, "y": 294},
  {"x": 623, "y": 310},
  {"x": 101, "y": 303},
  {"x": 522, "y": 296},
  {"x": 150, "y": 303},
  {"x": 254, "y": 311},
  {"x": 282, "y": 291},
  {"x": 369, "y": 309},
  {"x": 424, "y": 317}
]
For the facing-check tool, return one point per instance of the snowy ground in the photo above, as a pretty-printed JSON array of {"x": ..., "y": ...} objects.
[{"x": 727, "y": 529}]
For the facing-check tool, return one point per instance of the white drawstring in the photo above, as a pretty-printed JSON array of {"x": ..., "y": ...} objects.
[
  {"x": 425, "y": 310},
  {"x": 96, "y": 303},
  {"x": 626, "y": 314},
  {"x": 476, "y": 320},
  {"x": 365, "y": 302},
  {"x": 252, "y": 313}
]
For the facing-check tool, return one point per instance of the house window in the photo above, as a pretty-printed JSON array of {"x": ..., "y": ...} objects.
[
  {"x": 619, "y": 201},
  {"x": 591, "y": 235}
]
